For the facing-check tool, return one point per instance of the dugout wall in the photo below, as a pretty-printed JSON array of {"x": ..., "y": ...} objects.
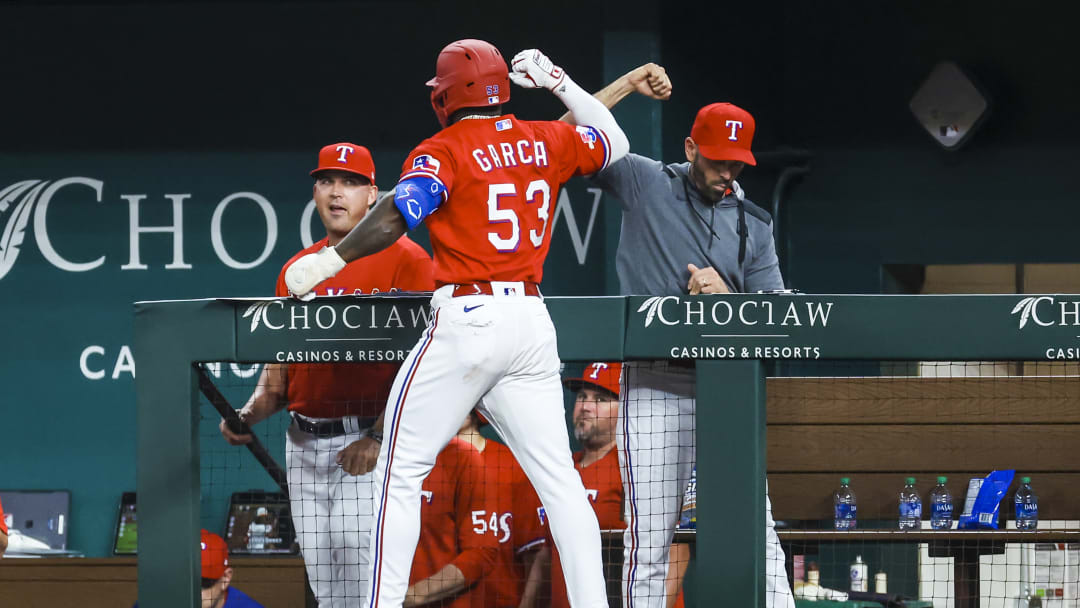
[{"x": 731, "y": 337}]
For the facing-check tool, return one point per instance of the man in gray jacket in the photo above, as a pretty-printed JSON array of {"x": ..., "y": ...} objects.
[{"x": 687, "y": 228}]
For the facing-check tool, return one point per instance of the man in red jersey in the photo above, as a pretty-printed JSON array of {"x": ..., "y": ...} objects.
[
  {"x": 595, "y": 417},
  {"x": 485, "y": 185},
  {"x": 456, "y": 551},
  {"x": 334, "y": 438},
  {"x": 512, "y": 517}
]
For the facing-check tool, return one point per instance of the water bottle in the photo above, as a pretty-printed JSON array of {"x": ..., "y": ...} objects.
[
  {"x": 844, "y": 511},
  {"x": 910, "y": 506},
  {"x": 1027, "y": 506},
  {"x": 940, "y": 506}
]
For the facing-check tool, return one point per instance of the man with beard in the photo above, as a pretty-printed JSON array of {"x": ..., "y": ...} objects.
[{"x": 596, "y": 412}]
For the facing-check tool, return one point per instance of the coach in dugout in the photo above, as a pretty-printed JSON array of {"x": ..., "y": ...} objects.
[
  {"x": 687, "y": 228},
  {"x": 333, "y": 441}
]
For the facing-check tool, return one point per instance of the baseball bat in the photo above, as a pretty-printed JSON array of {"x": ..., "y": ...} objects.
[{"x": 216, "y": 399}]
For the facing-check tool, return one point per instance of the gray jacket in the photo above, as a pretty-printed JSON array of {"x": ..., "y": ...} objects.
[{"x": 662, "y": 231}]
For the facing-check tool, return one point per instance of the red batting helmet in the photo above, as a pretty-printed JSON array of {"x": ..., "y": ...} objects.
[{"x": 468, "y": 74}]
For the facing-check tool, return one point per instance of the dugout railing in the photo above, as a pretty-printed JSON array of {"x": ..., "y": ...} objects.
[{"x": 731, "y": 338}]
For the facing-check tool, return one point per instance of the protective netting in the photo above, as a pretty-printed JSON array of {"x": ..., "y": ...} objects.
[{"x": 484, "y": 539}]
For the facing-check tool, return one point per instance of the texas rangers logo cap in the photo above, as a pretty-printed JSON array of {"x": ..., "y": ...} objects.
[
  {"x": 601, "y": 374},
  {"x": 215, "y": 555},
  {"x": 724, "y": 131},
  {"x": 346, "y": 157}
]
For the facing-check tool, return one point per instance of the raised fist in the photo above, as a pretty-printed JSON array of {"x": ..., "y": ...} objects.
[
  {"x": 532, "y": 69},
  {"x": 304, "y": 274}
]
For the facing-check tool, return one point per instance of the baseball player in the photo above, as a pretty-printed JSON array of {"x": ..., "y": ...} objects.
[
  {"x": 596, "y": 411},
  {"x": 217, "y": 576},
  {"x": 486, "y": 185},
  {"x": 333, "y": 441},
  {"x": 514, "y": 519},
  {"x": 3, "y": 531},
  {"x": 455, "y": 548},
  {"x": 687, "y": 228}
]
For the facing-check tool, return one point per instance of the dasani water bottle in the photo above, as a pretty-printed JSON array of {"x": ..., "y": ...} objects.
[
  {"x": 941, "y": 507},
  {"x": 910, "y": 506},
  {"x": 844, "y": 511}
]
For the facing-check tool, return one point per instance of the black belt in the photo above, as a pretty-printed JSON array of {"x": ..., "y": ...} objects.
[{"x": 330, "y": 428}]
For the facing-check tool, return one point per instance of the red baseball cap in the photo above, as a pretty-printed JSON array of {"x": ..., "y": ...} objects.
[
  {"x": 215, "y": 555},
  {"x": 600, "y": 374},
  {"x": 346, "y": 157},
  {"x": 723, "y": 131}
]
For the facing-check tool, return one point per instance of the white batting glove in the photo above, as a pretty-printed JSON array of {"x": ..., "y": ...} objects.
[
  {"x": 532, "y": 69},
  {"x": 304, "y": 274}
]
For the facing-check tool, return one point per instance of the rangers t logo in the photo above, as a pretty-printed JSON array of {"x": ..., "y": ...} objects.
[
  {"x": 425, "y": 162},
  {"x": 345, "y": 152},
  {"x": 596, "y": 367},
  {"x": 735, "y": 126}
]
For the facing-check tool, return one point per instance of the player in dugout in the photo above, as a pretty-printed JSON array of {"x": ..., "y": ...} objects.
[
  {"x": 217, "y": 576},
  {"x": 484, "y": 186},
  {"x": 456, "y": 548},
  {"x": 333, "y": 441},
  {"x": 3, "y": 531},
  {"x": 514, "y": 519},
  {"x": 595, "y": 416}
]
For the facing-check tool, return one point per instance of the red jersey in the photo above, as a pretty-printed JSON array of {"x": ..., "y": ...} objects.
[
  {"x": 3, "y": 520},
  {"x": 516, "y": 513},
  {"x": 344, "y": 389},
  {"x": 603, "y": 483},
  {"x": 452, "y": 528},
  {"x": 502, "y": 178}
]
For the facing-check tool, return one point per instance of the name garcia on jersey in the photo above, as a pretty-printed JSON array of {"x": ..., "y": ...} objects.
[{"x": 522, "y": 152}]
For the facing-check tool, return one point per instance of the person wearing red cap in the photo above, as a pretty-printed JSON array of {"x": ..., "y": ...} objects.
[
  {"x": 486, "y": 187},
  {"x": 333, "y": 441},
  {"x": 687, "y": 228},
  {"x": 595, "y": 416},
  {"x": 217, "y": 576}
]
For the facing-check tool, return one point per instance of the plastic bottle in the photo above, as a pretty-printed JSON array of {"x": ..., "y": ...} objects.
[
  {"x": 859, "y": 571},
  {"x": 1027, "y": 506},
  {"x": 844, "y": 510},
  {"x": 910, "y": 506},
  {"x": 941, "y": 508}
]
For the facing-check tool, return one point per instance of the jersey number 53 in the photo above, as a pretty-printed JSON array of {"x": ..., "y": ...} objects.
[{"x": 538, "y": 192}]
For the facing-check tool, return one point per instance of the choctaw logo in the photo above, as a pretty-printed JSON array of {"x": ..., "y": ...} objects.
[
  {"x": 672, "y": 310},
  {"x": 1041, "y": 311},
  {"x": 11, "y": 239}
]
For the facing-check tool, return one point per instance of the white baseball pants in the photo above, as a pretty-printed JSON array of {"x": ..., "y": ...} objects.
[
  {"x": 332, "y": 513},
  {"x": 655, "y": 435},
  {"x": 497, "y": 352}
]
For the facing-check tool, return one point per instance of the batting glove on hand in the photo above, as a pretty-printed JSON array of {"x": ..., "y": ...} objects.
[
  {"x": 314, "y": 268},
  {"x": 532, "y": 69}
]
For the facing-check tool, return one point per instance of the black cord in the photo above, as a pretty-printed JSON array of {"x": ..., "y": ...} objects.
[{"x": 741, "y": 229}]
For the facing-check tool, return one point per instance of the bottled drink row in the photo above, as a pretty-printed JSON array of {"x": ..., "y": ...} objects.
[{"x": 910, "y": 505}]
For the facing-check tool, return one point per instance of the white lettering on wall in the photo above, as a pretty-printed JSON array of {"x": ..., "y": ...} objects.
[
  {"x": 41, "y": 230},
  {"x": 135, "y": 230},
  {"x": 271, "y": 230}
]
